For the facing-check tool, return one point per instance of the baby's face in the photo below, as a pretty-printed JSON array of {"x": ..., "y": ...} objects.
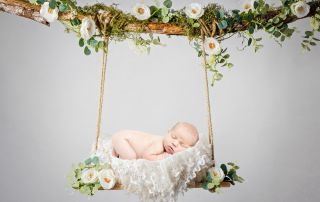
[{"x": 179, "y": 139}]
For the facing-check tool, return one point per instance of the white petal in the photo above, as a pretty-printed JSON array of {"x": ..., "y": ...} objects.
[
  {"x": 194, "y": 7},
  {"x": 145, "y": 15},
  {"x": 88, "y": 28},
  {"x": 209, "y": 50},
  {"x": 107, "y": 173}
]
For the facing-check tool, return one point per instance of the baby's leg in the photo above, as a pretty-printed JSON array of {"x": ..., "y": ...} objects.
[{"x": 122, "y": 146}]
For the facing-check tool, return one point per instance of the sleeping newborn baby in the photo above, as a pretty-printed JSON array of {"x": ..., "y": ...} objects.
[{"x": 131, "y": 144}]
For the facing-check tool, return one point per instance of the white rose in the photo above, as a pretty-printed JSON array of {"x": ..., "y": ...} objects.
[
  {"x": 194, "y": 10},
  {"x": 141, "y": 11},
  {"x": 106, "y": 178},
  {"x": 217, "y": 172},
  {"x": 300, "y": 9},
  {"x": 247, "y": 5},
  {"x": 211, "y": 46},
  {"x": 88, "y": 28},
  {"x": 47, "y": 13},
  {"x": 89, "y": 176}
]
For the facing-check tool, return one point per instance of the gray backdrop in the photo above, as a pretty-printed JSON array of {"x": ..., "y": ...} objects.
[{"x": 265, "y": 110}]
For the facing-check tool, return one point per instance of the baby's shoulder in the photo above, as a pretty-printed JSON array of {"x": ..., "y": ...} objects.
[{"x": 158, "y": 143}]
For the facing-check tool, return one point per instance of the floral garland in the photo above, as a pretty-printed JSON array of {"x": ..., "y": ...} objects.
[
  {"x": 213, "y": 19},
  {"x": 90, "y": 176}
]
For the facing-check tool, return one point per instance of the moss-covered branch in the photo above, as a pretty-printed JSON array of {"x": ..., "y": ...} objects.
[{"x": 130, "y": 24}]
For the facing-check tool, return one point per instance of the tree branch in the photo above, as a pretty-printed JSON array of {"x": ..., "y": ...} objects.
[{"x": 28, "y": 10}]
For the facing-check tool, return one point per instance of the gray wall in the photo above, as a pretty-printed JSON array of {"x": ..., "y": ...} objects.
[{"x": 265, "y": 110}]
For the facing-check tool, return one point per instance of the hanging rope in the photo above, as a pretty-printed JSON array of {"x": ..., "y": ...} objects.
[
  {"x": 210, "y": 130},
  {"x": 102, "y": 83},
  {"x": 103, "y": 78}
]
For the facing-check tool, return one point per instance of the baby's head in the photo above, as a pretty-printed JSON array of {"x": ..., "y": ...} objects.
[{"x": 180, "y": 137}]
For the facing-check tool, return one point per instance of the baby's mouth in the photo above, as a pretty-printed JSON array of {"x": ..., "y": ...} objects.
[{"x": 170, "y": 149}]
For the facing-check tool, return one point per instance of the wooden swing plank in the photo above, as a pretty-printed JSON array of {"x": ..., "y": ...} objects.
[{"x": 191, "y": 186}]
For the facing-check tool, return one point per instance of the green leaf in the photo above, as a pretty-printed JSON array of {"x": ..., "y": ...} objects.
[
  {"x": 251, "y": 29},
  {"x": 75, "y": 22},
  {"x": 224, "y": 24},
  {"x": 226, "y": 56},
  {"x": 196, "y": 25},
  {"x": 249, "y": 41},
  {"x": 312, "y": 43},
  {"x": 209, "y": 177},
  {"x": 217, "y": 76},
  {"x": 164, "y": 11},
  {"x": 62, "y": 7},
  {"x": 165, "y": 19},
  {"x": 221, "y": 13},
  {"x": 276, "y": 20},
  {"x": 216, "y": 181},
  {"x": 271, "y": 29},
  {"x": 276, "y": 34},
  {"x": 95, "y": 160},
  {"x": 205, "y": 186},
  {"x": 309, "y": 33},
  {"x": 255, "y": 4},
  {"x": 52, "y": 4},
  {"x": 81, "y": 42},
  {"x": 167, "y": 3},
  {"x": 92, "y": 42},
  {"x": 87, "y": 161},
  {"x": 41, "y": 1},
  {"x": 210, "y": 185},
  {"x": 224, "y": 168},
  {"x": 229, "y": 65},
  {"x": 282, "y": 38},
  {"x": 87, "y": 51}
]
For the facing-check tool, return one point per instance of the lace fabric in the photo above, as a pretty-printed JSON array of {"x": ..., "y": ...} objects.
[{"x": 161, "y": 180}]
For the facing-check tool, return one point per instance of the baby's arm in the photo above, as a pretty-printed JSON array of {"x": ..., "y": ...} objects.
[{"x": 155, "y": 152}]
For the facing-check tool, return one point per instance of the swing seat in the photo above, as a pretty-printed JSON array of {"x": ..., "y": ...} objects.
[{"x": 162, "y": 179}]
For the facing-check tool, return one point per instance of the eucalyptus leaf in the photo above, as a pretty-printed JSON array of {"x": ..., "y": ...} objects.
[
  {"x": 95, "y": 160},
  {"x": 249, "y": 41},
  {"x": 81, "y": 42},
  {"x": 167, "y": 3},
  {"x": 87, "y": 51},
  {"x": 52, "y": 4},
  {"x": 276, "y": 34},
  {"x": 41, "y": 1},
  {"x": 251, "y": 29},
  {"x": 164, "y": 11},
  {"x": 165, "y": 19},
  {"x": 62, "y": 7}
]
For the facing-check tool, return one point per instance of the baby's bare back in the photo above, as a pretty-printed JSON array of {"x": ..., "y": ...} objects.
[{"x": 138, "y": 140}]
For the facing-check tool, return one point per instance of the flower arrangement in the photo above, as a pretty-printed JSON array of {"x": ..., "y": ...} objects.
[
  {"x": 90, "y": 176},
  {"x": 213, "y": 20},
  {"x": 226, "y": 173}
]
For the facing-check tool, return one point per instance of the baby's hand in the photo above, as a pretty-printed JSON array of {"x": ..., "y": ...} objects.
[
  {"x": 163, "y": 155},
  {"x": 155, "y": 157}
]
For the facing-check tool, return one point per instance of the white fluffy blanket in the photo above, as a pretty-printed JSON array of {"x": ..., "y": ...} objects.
[{"x": 160, "y": 180}]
